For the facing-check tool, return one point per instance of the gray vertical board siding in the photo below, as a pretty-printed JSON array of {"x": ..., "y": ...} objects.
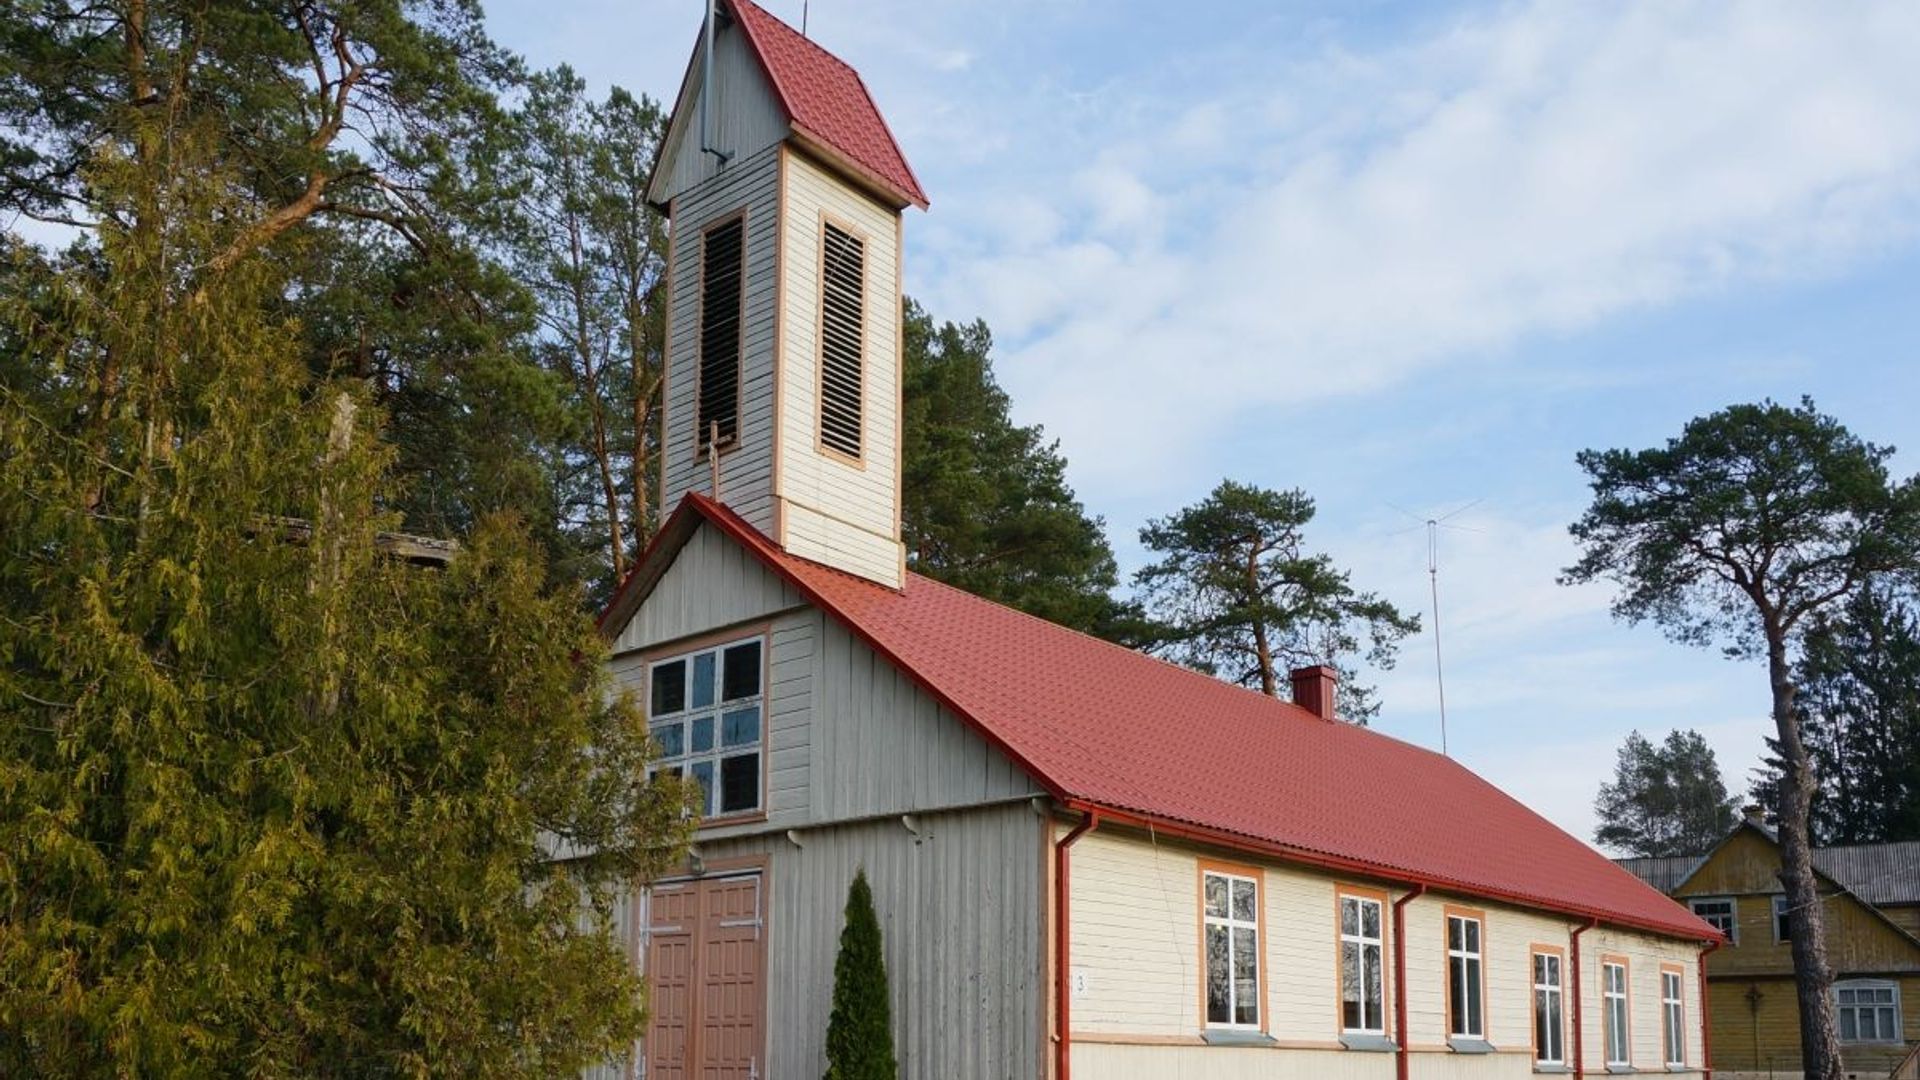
[
  {"x": 743, "y": 118},
  {"x": 848, "y": 734},
  {"x": 626, "y": 927},
  {"x": 713, "y": 583},
  {"x": 881, "y": 744},
  {"x": 746, "y": 469},
  {"x": 962, "y": 912}
]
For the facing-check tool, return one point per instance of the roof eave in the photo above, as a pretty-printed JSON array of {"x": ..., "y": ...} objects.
[
  {"x": 1305, "y": 856},
  {"x": 895, "y": 196}
]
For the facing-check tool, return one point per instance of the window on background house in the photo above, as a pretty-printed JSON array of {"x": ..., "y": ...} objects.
[
  {"x": 1549, "y": 1010},
  {"x": 707, "y": 714},
  {"x": 1868, "y": 1010},
  {"x": 1719, "y": 913},
  {"x": 1465, "y": 968},
  {"x": 1362, "y": 994},
  {"x": 1613, "y": 993},
  {"x": 1673, "y": 1017},
  {"x": 1782, "y": 919},
  {"x": 842, "y": 331},
  {"x": 722, "y": 288},
  {"x": 1232, "y": 926}
]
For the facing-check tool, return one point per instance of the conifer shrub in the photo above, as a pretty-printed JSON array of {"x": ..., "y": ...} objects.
[{"x": 860, "y": 1030}]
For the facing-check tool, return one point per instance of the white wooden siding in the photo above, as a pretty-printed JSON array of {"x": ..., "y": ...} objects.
[
  {"x": 746, "y": 468},
  {"x": 1137, "y": 971},
  {"x": 743, "y": 118},
  {"x": 712, "y": 583},
  {"x": 962, "y": 917},
  {"x": 839, "y": 513}
]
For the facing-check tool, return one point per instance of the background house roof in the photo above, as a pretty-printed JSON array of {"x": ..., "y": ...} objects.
[
  {"x": 1104, "y": 726},
  {"x": 1881, "y": 874},
  {"x": 827, "y": 102}
]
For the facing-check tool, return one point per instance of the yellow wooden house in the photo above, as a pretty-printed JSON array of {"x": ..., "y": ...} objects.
[{"x": 1871, "y": 895}]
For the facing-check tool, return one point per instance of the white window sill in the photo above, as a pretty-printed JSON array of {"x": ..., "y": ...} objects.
[{"x": 1237, "y": 1037}]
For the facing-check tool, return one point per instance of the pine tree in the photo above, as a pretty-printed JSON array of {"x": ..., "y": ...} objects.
[
  {"x": 1235, "y": 593},
  {"x": 987, "y": 504},
  {"x": 1664, "y": 800},
  {"x": 860, "y": 1030},
  {"x": 1744, "y": 530}
]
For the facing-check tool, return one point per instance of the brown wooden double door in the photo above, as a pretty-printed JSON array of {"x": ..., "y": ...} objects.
[{"x": 706, "y": 963}]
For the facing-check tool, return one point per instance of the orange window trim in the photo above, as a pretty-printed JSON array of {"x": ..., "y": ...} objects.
[
  {"x": 1259, "y": 878},
  {"x": 1533, "y": 997},
  {"x": 1454, "y": 911},
  {"x": 1360, "y": 892},
  {"x": 855, "y": 461},
  {"x": 1606, "y": 1019}
]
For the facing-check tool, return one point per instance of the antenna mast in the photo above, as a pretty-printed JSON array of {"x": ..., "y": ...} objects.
[{"x": 1433, "y": 580}]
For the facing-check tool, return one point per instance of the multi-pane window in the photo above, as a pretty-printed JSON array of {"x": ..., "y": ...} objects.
[
  {"x": 1232, "y": 926},
  {"x": 1868, "y": 1010},
  {"x": 842, "y": 327},
  {"x": 1782, "y": 919},
  {"x": 1613, "y": 993},
  {"x": 1549, "y": 1010},
  {"x": 1362, "y": 997},
  {"x": 1673, "y": 1017},
  {"x": 1718, "y": 913},
  {"x": 1465, "y": 1009},
  {"x": 722, "y": 287},
  {"x": 707, "y": 714}
]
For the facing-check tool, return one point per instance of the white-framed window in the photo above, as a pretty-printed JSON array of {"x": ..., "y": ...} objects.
[
  {"x": 1362, "y": 989},
  {"x": 1613, "y": 995},
  {"x": 1232, "y": 926},
  {"x": 1782, "y": 920},
  {"x": 1466, "y": 1011},
  {"x": 1868, "y": 1010},
  {"x": 1673, "y": 1017},
  {"x": 1549, "y": 1010},
  {"x": 708, "y": 719},
  {"x": 1720, "y": 913}
]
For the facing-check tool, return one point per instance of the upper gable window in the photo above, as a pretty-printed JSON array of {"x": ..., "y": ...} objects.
[
  {"x": 1719, "y": 913},
  {"x": 1782, "y": 919},
  {"x": 843, "y": 277},
  {"x": 707, "y": 711},
  {"x": 722, "y": 294}
]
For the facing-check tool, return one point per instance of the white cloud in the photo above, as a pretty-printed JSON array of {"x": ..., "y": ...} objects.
[{"x": 1337, "y": 227}]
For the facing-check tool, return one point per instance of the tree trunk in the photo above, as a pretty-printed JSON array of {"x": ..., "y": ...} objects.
[
  {"x": 1269, "y": 682},
  {"x": 1813, "y": 977}
]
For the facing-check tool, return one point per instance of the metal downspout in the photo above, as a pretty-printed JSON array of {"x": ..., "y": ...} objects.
[
  {"x": 1402, "y": 1063},
  {"x": 1062, "y": 953},
  {"x": 1706, "y": 1031},
  {"x": 1579, "y": 996}
]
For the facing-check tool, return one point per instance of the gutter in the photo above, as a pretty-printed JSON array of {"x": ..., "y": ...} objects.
[
  {"x": 1706, "y": 1030},
  {"x": 1402, "y": 1063},
  {"x": 1062, "y": 952},
  {"x": 1579, "y": 996}
]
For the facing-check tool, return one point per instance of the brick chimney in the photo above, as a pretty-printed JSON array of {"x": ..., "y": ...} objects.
[{"x": 1313, "y": 689}]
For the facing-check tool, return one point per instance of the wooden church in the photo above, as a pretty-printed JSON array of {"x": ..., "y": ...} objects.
[{"x": 1086, "y": 862}]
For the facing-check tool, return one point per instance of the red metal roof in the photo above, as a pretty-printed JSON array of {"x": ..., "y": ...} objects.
[
  {"x": 827, "y": 102},
  {"x": 1107, "y": 728}
]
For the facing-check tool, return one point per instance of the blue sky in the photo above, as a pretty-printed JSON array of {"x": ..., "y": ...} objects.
[{"x": 1407, "y": 257}]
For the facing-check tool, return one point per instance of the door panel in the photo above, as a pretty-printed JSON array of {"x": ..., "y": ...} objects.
[{"x": 705, "y": 960}]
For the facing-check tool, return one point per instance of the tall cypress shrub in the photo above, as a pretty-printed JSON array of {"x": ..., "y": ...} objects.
[{"x": 860, "y": 1031}]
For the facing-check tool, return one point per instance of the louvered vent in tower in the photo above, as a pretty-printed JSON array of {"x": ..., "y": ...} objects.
[
  {"x": 721, "y": 255},
  {"x": 842, "y": 299}
]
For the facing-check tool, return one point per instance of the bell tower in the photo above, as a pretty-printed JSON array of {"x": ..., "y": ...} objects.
[{"x": 784, "y": 191}]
